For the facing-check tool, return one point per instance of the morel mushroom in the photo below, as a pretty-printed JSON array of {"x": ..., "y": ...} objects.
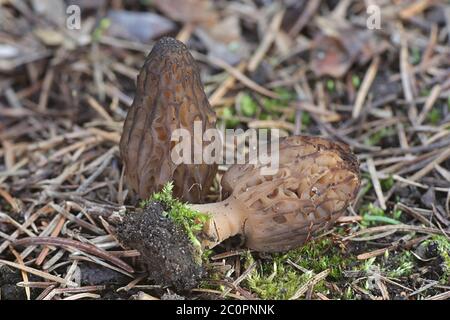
[
  {"x": 316, "y": 181},
  {"x": 169, "y": 96}
]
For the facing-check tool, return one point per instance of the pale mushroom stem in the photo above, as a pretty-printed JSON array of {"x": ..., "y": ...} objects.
[{"x": 227, "y": 220}]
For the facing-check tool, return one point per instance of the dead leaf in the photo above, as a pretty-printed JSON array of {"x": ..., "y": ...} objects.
[
  {"x": 188, "y": 11},
  {"x": 49, "y": 37},
  {"x": 223, "y": 40},
  {"x": 329, "y": 57},
  {"x": 138, "y": 26},
  {"x": 227, "y": 31},
  {"x": 333, "y": 55}
]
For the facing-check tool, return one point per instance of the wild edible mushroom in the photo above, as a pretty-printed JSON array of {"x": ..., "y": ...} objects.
[
  {"x": 169, "y": 96},
  {"x": 317, "y": 179}
]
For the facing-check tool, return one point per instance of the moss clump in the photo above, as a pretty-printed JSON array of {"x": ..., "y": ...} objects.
[
  {"x": 102, "y": 27},
  {"x": 277, "y": 279},
  {"x": 402, "y": 264},
  {"x": 443, "y": 250},
  {"x": 323, "y": 254},
  {"x": 356, "y": 81},
  {"x": 377, "y": 137},
  {"x": 387, "y": 184},
  {"x": 284, "y": 98},
  {"x": 227, "y": 114},
  {"x": 331, "y": 86},
  {"x": 434, "y": 116},
  {"x": 191, "y": 220},
  {"x": 248, "y": 105}
]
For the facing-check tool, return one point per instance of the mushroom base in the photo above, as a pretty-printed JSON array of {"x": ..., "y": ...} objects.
[
  {"x": 165, "y": 249},
  {"x": 227, "y": 220}
]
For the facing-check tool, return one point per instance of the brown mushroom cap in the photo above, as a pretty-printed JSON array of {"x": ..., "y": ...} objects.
[
  {"x": 317, "y": 179},
  {"x": 169, "y": 96}
]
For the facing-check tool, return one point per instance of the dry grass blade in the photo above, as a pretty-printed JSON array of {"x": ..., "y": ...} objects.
[
  {"x": 310, "y": 283},
  {"x": 376, "y": 183},
  {"x": 89, "y": 248},
  {"x": 441, "y": 296},
  {"x": 240, "y": 278},
  {"x": 365, "y": 86},
  {"x": 397, "y": 228},
  {"x": 394, "y": 246},
  {"x": 235, "y": 73},
  {"x": 24, "y": 274},
  {"x": 82, "y": 296},
  {"x": 425, "y": 170},
  {"x": 267, "y": 41},
  {"x": 39, "y": 273}
]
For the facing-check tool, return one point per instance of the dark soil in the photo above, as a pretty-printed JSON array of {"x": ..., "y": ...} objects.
[
  {"x": 8, "y": 288},
  {"x": 165, "y": 248},
  {"x": 92, "y": 275}
]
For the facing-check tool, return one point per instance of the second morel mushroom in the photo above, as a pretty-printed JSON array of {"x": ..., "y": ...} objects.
[
  {"x": 316, "y": 181},
  {"x": 169, "y": 96}
]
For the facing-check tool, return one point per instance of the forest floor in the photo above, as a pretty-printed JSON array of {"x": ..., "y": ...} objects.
[{"x": 325, "y": 68}]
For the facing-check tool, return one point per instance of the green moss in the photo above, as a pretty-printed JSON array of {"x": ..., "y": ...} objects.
[
  {"x": 278, "y": 282},
  {"x": 191, "y": 220},
  {"x": 387, "y": 184},
  {"x": 306, "y": 119},
  {"x": 356, "y": 81},
  {"x": 402, "y": 264},
  {"x": 277, "y": 279},
  {"x": 378, "y": 136},
  {"x": 349, "y": 294},
  {"x": 416, "y": 56},
  {"x": 284, "y": 98},
  {"x": 331, "y": 86},
  {"x": 324, "y": 254},
  {"x": 104, "y": 24},
  {"x": 228, "y": 115},
  {"x": 396, "y": 214},
  {"x": 393, "y": 265},
  {"x": 434, "y": 116},
  {"x": 425, "y": 92},
  {"x": 265, "y": 116},
  {"x": 443, "y": 248},
  {"x": 248, "y": 105},
  {"x": 368, "y": 184},
  {"x": 285, "y": 95}
]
